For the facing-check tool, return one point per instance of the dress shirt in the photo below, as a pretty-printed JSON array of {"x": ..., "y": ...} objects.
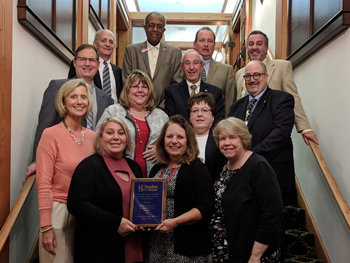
[
  {"x": 206, "y": 66},
  {"x": 198, "y": 84},
  {"x": 112, "y": 78},
  {"x": 257, "y": 97},
  {"x": 153, "y": 52}
]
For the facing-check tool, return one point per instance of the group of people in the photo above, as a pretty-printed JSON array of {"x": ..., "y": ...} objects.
[{"x": 227, "y": 178}]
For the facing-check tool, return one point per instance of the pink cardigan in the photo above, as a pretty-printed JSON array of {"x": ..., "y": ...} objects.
[{"x": 57, "y": 157}]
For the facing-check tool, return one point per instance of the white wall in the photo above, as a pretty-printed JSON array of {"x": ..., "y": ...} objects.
[
  {"x": 33, "y": 67},
  {"x": 323, "y": 86}
]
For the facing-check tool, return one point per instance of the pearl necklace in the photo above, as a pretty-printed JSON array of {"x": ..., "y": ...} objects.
[{"x": 76, "y": 140}]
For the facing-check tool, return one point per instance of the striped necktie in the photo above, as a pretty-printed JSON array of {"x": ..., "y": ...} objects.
[
  {"x": 106, "y": 79},
  {"x": 89, "y": 121},
  {"x": 203, "y": 75},
  {"x": 193, "y": 88}
]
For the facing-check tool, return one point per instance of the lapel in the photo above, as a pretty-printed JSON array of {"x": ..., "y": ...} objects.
[
  {"x": 97, "y": 80},
  {"x": 204, "y": 87},
  {"x": 184, "y": 91},
  {"x": 144, "y": 56},
  {"x": 259, "y": 107},
  {"x": 161, "y": 55},
  {"x": 270, "y": 66},
  {"x": 212, "y": 69}
]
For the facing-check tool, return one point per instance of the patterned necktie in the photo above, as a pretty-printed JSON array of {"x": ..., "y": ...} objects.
[
  {"x": 106, "y": 79},
  {"x": 89, "y": 121},
  {"x": 203, "y": 75},
  {"x": 250, "y": 109},
  {"x": 193, "y": 88}
]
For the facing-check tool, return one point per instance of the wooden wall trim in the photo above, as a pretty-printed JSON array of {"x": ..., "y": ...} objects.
[
  {"x": 281, "y": 30},
  {"x": 6, "y": 11},
  {"x": 83, "y": 22}
]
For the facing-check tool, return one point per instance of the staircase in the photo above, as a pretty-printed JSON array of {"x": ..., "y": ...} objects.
[{"x": 299, "y": 242}]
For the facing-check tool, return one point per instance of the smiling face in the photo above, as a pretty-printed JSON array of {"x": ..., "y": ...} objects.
[
  {"x": 205, "y": 44},
  {"x": 192, "y": 66},
  {"x": 154, "y": 29},
  {"x": 257, "y": 48},
  {"x": 138, "y": 94},
  {"x": 230, "y": 146},
  {"x": 86, "y": 64},
  {"x": 76, "y": 102},
  {"x": 255, "y": 87},
  {"x": 175, "y": 142},
  {"x": 105, "y": 44},
  {"x": 201, "y": 118},
  {"x": 113, "y": 140}
]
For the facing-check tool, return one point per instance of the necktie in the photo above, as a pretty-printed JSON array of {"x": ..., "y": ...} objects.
[
  {"x": 203, "y": 75},
  {"x": 193, "y": 88},
  {"x": 89, "y": 121},
  {"x": 250, "y": 109},
  {"x": 106, "y": 79}
]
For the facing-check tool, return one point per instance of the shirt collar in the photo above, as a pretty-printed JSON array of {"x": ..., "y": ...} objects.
[
  {"x": 198, "y": 83},
  {"x": 150, "y": 46},
  {"x": 257, "y": 97}
]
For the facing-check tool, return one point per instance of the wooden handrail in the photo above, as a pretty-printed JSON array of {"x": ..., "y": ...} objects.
[
  {"x": 16, "y": 209},
  {"x": 344, "y": 208}
]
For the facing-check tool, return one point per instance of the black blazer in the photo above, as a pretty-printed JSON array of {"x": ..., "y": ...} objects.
[
  {"x": 194, "y": 189},
  {"x": 271, "y": 125},
  {"x": 177, "y": 95},
  {"x": 117, "y": 71},
  {"x": 95, "y": 198},
  {"x": 213, "y": 156}
]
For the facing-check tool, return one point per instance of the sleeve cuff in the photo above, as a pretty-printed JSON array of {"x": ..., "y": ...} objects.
[{"x": 305, "y": 131}]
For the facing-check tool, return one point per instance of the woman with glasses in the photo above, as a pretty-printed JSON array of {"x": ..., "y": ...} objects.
[
  {"x": 137, "y": 108},
  {"x": 201, "y": 109}
]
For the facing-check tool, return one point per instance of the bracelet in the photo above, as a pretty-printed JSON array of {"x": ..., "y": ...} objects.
[{"x": 47, "y": 229}]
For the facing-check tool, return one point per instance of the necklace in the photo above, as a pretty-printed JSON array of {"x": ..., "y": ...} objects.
[
  {"x": 76, "y": 140},
  {"x": 137, "y": 128}
]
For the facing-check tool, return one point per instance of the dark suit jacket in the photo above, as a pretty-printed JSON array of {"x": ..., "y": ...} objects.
[
  {"x": 213, "y": 156},
  {"x": 95, "y": 198},
  {"x": 271, "y": 125},
  {"x": 48, "y": 115},
  {"x": 177, "y": 95},
  {"x": 117, "y": 71}
]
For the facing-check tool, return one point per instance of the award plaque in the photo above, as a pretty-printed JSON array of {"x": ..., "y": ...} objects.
[{"x": 147, "y": 201}]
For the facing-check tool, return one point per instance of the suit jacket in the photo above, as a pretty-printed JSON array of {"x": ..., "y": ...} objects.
[
  {"x": 48, "y": 115},
  {"x": 167, "y": 70},
  {"x": 280, "y": 78},
  {"x": 213, "y": 156},
  {"x": 177, "y": 95},
  {"x": 271, "y": 125},
  {"x": 221, "y": 75},
  {"x": 117, "y": 71}
]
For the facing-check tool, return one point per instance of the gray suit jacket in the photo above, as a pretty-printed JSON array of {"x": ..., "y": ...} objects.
[
  {"x": 48, "y": 115},
  {"x": 167, "y": 71},
  {"x": 221, "y": 75}
]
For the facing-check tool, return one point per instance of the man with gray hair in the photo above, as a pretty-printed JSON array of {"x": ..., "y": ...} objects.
[
  {"x": 109, "y": 76},
  {"x": 215, "y": 73},
  {"x": 177, "y": 95},
  {"x": 158, "y": 60}
]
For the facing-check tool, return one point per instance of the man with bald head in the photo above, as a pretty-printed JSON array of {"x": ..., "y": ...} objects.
[
  {"x": 269, "y": 115},
  {"x": 177, "y": 95},
  {"x": 159, "y": 61},
  {"x": 280, "y": 78},
  {"x": 109, "y": 76}
]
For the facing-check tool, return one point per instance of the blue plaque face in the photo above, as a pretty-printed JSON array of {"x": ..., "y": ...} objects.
[{"x": 148, "y": 200}]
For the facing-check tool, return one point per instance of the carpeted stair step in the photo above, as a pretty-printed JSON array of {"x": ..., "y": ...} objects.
[
  {"x": 299, "y": 242},
  {"x": 302, "y": 259},
  {"x": 294, "y": 217}
]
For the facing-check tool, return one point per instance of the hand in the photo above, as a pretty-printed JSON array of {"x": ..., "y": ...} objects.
[
  {"x": 48, "y": 241},
  {"x": 167, "y": 226},
  {"x": 310, "y": 135},
  {"x": 150, "y": 154},
  {"x": 31, "y": 169},
  {"x": 126, "y": 227}
]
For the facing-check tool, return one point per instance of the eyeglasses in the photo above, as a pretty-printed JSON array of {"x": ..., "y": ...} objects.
[
  {"x": 255, "y": 76},
  {"x": 136, "y": 87},
  {"x": 82, "y": 59},
  {"x": 188, "y": 63},
  {"x": 203, "y": 111},
  {"x": 153, "y": 26}
]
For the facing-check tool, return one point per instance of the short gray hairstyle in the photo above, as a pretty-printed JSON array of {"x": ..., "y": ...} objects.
[
  {"x": 99, "y": 31},
  {"x": 189, "y": 51},
  {"x": 154, "y": 13}
]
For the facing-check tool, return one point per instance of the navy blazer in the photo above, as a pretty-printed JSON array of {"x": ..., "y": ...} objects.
[
  {"x": 48, "y": 115},
  {"x": 177, "y": 95},
  {"x": 271, "y": 126},
  {"x": 117, "y": 71}
]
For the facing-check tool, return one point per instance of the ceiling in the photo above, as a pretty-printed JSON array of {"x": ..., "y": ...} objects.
[{"x": 182, "y": 33}]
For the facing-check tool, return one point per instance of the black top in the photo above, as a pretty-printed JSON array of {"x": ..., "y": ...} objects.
[
  {"x": 95, "y": 198},
  {"x": 194, "y": 189}
]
